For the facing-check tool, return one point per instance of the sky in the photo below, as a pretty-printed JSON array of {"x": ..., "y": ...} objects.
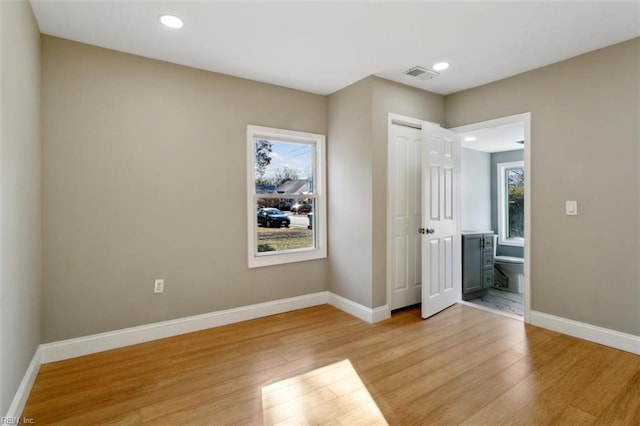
[{"x": 297, "y": 156}]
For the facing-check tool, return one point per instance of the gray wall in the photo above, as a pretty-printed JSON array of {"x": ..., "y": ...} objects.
[
  {"x": 349, "y": 171},
  {"x": 144, "y": 177},
  {"x": 585, "y": 133},
  {"x": 20, "y": 205},
  {"x": 502, "y": 157},
  {"x": 475, "y": 187},
  {"x": 358, "y": 159}
]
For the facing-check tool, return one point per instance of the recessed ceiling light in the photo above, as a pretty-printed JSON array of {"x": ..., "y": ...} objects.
[
  {"x": 440, "y": 66},
  {"x": 171, "y": 21},
  {"x": 470, "y": 139}
]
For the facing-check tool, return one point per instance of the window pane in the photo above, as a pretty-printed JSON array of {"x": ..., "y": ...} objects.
[
  {"x": 281, "y": 230},
  {"x": 515, "y": 194},
  {"x": 284, "y": 189},
  {"x": 283, "y": 167},
  {"x": 286, "y": 194},
  {"x": 284, "y": 174}
]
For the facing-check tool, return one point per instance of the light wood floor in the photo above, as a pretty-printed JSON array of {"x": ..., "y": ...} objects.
[{"x": 320, "y": 365}]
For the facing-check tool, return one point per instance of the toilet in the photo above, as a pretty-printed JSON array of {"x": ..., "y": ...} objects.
[{"x": 509, "y": 271}]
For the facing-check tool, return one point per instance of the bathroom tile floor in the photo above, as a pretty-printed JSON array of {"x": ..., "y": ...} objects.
[{"x": 501, "y": 300}]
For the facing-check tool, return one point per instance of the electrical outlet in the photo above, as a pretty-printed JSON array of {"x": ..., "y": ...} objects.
[{"x": 158, "y": 287}]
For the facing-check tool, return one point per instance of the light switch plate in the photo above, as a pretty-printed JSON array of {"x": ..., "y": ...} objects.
[{"x": 571, "y": 208}]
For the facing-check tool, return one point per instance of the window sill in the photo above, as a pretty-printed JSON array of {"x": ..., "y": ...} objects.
[{"x": 279, "y": 258}]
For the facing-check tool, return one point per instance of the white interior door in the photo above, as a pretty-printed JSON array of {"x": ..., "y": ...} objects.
[
  {"x": 405, "y": 198},
  {"x": 441, "y": 267}
]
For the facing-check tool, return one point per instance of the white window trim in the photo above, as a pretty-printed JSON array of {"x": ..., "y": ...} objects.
[
  {"x": 502, "y": 205},
  {"x": 256, "y": 260}
]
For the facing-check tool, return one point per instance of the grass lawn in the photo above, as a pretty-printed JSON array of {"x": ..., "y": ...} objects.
[{"x": 277, "y": 239}]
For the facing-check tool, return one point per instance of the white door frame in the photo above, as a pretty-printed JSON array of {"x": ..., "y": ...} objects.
[{"x": 524, "y": 118}]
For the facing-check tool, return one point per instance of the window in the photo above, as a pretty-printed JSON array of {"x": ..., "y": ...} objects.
[
  {"x": 511, "y": 203},
  {"x": 286, "y": 196}
]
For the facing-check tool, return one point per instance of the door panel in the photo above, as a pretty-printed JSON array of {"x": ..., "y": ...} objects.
[
  {"x": 448, "y": 263},
  {"x": 448, "y": 193},
  {"x": 405, "y": 192},
  {"x": 441, "y": 246},
  {"x": 434, "y": 194},
  {"x": 400, "y": 260},
  {"x": 434, "y": 267},
  {"x": 449, "y": 146}
]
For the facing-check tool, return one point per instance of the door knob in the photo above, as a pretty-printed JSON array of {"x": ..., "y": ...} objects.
[
  {"x": 430, "y": 230},
  {"x": 426, "y": 230}
]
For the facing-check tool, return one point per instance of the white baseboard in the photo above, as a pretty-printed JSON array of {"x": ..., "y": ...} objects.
[
  {"x": 72, "y": 348},
  {"x": 380, "y": 313},
  {"x": 604, "y": 336},
  {"x": 357, "y": 310},
  {"x": 22, "y": 394}
]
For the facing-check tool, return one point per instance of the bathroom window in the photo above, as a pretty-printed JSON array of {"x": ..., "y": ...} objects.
[
  {"x": 511, "y": 203},
  {"x": 286, "y": 196}
]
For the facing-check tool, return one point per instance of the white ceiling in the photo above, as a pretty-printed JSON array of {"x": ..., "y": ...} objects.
[
  {"x": 323, "y": 46},
  {"x": 495, "y": 139}
]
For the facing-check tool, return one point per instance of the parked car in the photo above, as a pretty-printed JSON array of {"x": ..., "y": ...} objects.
[
  {"x": 301, "y": 208},
  {"x": 272, "y": 217}
]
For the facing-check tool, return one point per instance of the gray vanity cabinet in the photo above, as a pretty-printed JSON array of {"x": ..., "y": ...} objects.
[{"x": 477, "y": 264}]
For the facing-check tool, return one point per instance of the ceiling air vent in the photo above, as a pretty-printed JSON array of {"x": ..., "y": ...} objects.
[{"x": 422, "y": 73}]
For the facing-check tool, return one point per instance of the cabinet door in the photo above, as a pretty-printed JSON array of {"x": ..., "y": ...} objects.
[
  {"x": 487, "y": 258},
  {"x": 472, "y": 263},
  {"x": 488, "y": 241},
  {"x": 487, "y": 277}
]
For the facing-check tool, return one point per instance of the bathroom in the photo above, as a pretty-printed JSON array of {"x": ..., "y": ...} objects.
[{"x": 492, "y": 218}]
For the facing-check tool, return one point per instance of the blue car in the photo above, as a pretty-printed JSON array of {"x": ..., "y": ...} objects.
[{"x": 271, "y": 217}]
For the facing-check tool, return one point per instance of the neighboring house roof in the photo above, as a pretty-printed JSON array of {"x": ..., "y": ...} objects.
[
  {"x": 295, "y": 187},
  {"x": 265, "y": 189}
]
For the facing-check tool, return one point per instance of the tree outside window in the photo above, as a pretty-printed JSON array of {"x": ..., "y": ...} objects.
[
  {"x": 515, "y": 202},
  {"x": 511, "y": 203}
]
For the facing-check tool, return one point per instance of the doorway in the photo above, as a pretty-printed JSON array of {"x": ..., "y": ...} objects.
[{"x": 496, "y": 200}]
